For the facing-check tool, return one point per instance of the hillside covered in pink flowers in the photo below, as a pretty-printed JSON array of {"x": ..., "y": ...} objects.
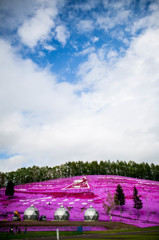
[{"x": 79, "y": 193}]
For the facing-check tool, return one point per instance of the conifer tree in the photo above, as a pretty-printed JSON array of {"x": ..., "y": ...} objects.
[
  {"x": 119, "y": 197},
  {"x": 10, "y": 189},
  {"x": 137, "y": 201}
]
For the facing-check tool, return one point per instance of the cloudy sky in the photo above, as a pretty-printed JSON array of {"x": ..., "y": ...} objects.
[{"x": 79, "y": 80}]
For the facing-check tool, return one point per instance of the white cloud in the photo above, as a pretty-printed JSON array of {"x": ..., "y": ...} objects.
[
  {"x": 31, "y": 101},
  {"x": 109, "y": 22},
  {"x": 86, "y": 5},
  {"x": 34, "y": 21},
  {"x": 62, "y": 34},
  {"x": 118, "y": 13},
  {"x": 38, "y": 27},
  {"x": 13, "y": 163},
  {"x": 85, "y": 26},
  {"x": 86, "y": 51},
  {"x": 92, "y": 71},
  {"x": 148, "y": 21},
  {"x": 13, "y": 13},
  {"x": 124, "y": 98},
  {"x": 24, "y": 81},
  {"x": 116, "y": 5},
  {"x": 95, "y": 39},
  {"x": 112, "y": 55},
  {"x": 41, "y": 54},
  {"x": 49, "y": 48}
]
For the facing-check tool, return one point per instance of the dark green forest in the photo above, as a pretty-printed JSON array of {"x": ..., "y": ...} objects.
[{"x": 70, "y": 169}]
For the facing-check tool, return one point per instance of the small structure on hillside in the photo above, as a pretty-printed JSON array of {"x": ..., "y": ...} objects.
[
  {"x": 31, "y": 213},
  {"x": 61, "y": 214},
  {"x": 91, "y": 214}
]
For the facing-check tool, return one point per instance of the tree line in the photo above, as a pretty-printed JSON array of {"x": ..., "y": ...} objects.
[{"x": 70, "y": 169}]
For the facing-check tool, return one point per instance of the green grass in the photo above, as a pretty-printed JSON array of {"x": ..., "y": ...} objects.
[
  {"x": 125, "y": 230},
  {"x": 129, "y": 237},
  {"x": 6, "y": 235},
  {"x": 138, "y": 236},
  {"x": 147, "y": 236}
]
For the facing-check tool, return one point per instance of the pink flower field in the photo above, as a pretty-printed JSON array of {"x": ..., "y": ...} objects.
[{"x": 79, "y": 193}]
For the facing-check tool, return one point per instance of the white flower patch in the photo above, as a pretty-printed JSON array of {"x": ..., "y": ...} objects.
[
  {"x": 77, "y": 200},
  {"x": 65, "y": 200},
  {"x": 71, "y": 203},
  {"x": 60, "y": 203},
  {"x": 84, "y": 203},
  {"x": 90, "y": 200}
]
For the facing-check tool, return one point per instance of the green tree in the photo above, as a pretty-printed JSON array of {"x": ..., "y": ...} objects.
[
  {"x": 114, "y": 168},
  {"x": 137, "y": 201},
  {"x": 148, "y": 173},
  {"x": 94, "y": 168},
  {"x": 157, "y": 173},
  {"x": 70, "y": 169},
  {"x": 9, "y": 189},
  {"x": 153, "y": 171},
  {"x": 119, "y": 197},
  {"x": 102, "y": 170},
  {"x": 2, "y": 179}
]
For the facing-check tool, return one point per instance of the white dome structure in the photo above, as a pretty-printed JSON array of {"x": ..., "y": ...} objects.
[
  {"x": 31, "y": 213},
  {"x": 91, "y": 214},
  {"x": 61, "y": 214}
]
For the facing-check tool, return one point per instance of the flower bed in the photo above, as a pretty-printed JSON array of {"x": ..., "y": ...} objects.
[{"x": 78, "y": 193}]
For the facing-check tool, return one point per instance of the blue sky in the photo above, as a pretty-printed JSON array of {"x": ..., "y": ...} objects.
[{"x": 79, "y": 81}]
